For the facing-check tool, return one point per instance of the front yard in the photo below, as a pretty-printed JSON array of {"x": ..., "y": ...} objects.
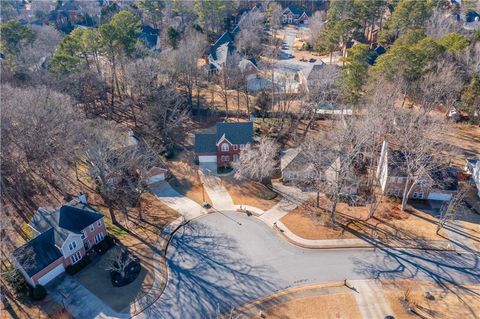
[
  {"x": 389, "y": 225},
  {"x": 250, "y": 193}
]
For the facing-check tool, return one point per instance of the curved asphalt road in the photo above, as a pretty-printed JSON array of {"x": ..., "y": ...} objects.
[{"x": 223, "y": 260}]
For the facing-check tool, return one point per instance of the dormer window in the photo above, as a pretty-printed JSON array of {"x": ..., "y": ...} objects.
[
  {"x": 84, "y": 235},
  {"x": 72, "y": 245},
  {"x": 99, "y": 223},
  {"x": 92, "y": 227},
  {"x": 235, "y": 147},
  {"x": 225, "y": 147}
]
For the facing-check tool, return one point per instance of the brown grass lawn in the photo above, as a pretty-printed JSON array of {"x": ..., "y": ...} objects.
[
  {"x": 458, "y": 303},
  {"x": 465, "y": 141},
  {"x": 250, "y": 193},
  {"x": 389, "y": 225},
  {"x": 332, "y": 306}
]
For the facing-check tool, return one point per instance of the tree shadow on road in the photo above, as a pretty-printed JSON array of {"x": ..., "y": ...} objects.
[{"x": 208, "y": 274}]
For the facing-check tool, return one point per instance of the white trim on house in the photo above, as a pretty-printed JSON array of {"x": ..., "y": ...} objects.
[
  {"x": 223, "y": 139},
  {"x": 66, "y": 252},
  {"x": 52, "y": 274},
  {"x": 207, "y": 158}
]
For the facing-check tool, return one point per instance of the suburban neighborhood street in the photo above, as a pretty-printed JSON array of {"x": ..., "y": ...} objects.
[{"x": 220, "y": 261}]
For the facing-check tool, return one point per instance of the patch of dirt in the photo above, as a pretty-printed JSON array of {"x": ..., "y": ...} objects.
[{"x": 250, "y": 193}]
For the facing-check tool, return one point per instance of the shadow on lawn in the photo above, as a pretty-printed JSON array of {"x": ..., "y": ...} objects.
[{"x": 206, "y": 275}]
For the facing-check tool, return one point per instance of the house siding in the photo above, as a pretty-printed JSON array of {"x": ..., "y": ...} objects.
[
  {"x": 230, "y": 153},
  {"x": 90, "y": 238},
  {"x": 68, "y": 260},
  {"x": 45, "y": 270},
  {"x": 66, "y": 252}
]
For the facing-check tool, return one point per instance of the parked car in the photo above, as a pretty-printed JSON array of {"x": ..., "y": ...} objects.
[{"x": 312, "y": 60}]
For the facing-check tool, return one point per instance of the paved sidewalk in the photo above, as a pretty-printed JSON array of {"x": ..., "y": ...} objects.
[
  {"x": 370, "y": 299},
  {"x": 292, "y": 197},
  {"x": 219, "y": 195},
  {"x": 173, "y": 199},
  {"x": 322, "y": 243}
]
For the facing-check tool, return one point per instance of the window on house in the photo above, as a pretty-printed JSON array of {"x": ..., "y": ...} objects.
[
  {"x": 99, "y": 237},
  {"x": 76, "y": 257},
  {"x": 84, "y": 235},
  {"x": 225, "y": 158},
  {"x": 92, "y": 227},
  {"x": 225, "y": 147},
  {"x": 235, "y": 147},
  {"x": 242, "y": 146},
  {"x": 247, "y": 146},
  {"x": 99, "y": 223},
  {"x": 235, "y": 157},
  {"x": 417, "y": 195},
  {"x": 72, "y": 245}
]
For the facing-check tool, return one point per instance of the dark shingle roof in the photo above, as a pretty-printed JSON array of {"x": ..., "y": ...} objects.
[
  {"x": 38, "y": 253},
  {"x": 445, "y": 178},
  {"x": 236, "y": 132},
  {"x": 149, "y": 35},
  {"x": 77, "y": 217},
  {"x": 44, "y": 220},
  {"x": 295, "y": 10},
  {"x": 205, "y": 142}
]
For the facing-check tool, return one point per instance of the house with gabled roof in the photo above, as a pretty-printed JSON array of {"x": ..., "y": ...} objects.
[
  {"x": 440, "y": 184},
  {"x": 224, "y": 143},
  {"x": 63, "y": 238},
  {"x": 294, "y": 15}
]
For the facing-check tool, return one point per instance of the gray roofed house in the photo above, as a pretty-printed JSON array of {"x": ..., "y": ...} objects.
[
  {"x": 206, "y": 142},
  {"x": 236, "y": 132},
  {"x": 63, "y": 237},
  {"x": 223, "y": 144},
  {"x": 38, "y": 253}
]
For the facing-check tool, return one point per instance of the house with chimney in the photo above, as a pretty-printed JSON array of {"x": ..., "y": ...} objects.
[
  {"x": 62, "y": 238},
  {"x": 224, "y": 143}
]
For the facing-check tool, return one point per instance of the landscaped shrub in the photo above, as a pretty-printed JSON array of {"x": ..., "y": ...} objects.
[
  {"x": 39, "y": 292},
  {"x": 16, "y": 281},
  {"x": 107, "y": 243},
  {"x": 73, "y": 269}
]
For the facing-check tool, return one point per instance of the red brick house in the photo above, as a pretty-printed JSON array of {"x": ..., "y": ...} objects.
[
  {"x": 63, "y": 238},
  {"x": 294, "y": 15},
  {"x": 224, "y": 144}
]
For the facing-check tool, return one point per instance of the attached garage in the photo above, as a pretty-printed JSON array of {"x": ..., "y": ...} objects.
[
  {"x": 156, "y": 174},
  {"x": 439, "y": 196},
  {"x": 207, "y": 158},
  {"x": 52, "y": 274}
]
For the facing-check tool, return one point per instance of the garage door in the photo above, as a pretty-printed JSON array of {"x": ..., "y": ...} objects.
[
  {"x": 156, "y": 178},
  {"x": 45, "y": 279},
  {"x": 439, "y": 196},
  {"x": 207, "y": 159}
]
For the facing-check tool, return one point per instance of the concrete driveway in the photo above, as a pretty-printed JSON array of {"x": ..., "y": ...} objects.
[
  {"x": 222, "y": 260},
  {"x": 173, "y": 199}
]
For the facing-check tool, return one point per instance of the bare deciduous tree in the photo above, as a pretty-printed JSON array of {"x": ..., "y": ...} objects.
[
  {"x": 450, "y": 210},
  {"x": 416, "y": 137},
  {"x": 120, "y": 261},
  {"x": 258, "y": 162}
]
